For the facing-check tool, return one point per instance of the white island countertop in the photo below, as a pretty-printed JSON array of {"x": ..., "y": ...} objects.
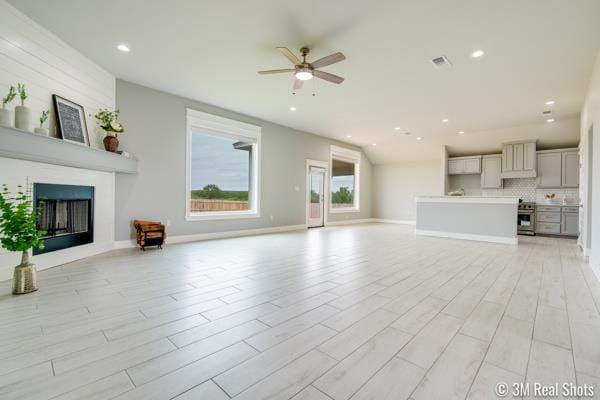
[{"x": 468, "y": 199}]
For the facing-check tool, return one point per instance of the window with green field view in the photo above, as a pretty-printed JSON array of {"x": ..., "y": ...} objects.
[
  {"x": 221, "y": 174},
  {"x": 344, "y": 175}
]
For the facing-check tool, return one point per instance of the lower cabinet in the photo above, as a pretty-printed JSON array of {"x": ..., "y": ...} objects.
[
  {"x": 557, "y": 220},
  {"x": 570, "y": 224}
]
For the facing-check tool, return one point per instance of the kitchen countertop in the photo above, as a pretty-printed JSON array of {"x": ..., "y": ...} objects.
[{"x": 468, "y": 199}]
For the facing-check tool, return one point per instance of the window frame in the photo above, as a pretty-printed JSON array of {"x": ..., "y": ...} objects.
[
  {"x": 346, "y": 155},
  {"x": 225, "y": 127}
]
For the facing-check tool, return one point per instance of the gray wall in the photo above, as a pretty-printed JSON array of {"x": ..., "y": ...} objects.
[
  {"x": 395, "y": 187},
  {"x": 155, "y": 133}
]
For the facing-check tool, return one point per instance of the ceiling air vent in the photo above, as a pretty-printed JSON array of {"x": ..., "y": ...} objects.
[
  {"x": 441, "y": 62},
  {"x": 547, "y": 112}
]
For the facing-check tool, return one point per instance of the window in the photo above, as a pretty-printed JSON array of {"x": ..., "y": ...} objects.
[
  {"x": 222, "y": 168},
  {"x": 345, "y": 166}
]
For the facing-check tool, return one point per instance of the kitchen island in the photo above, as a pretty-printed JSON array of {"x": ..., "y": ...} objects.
[{"x": 488, "y": 219}]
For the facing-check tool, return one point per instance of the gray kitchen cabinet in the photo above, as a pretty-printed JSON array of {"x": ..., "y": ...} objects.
[
  {"x": 491, "y": 169},
  {"x": 529, "y": 158},
  {"x": 455, "y": 167},
  {"x": 549, "y": 170},
  {"x": 518, "y": 163},
  {"x": 518, "y": 159},
  {"x": 557, "y": 220},
  {"x": 507, "y": 157},
  {"x": 558, "y": 168},
  {"x": 570, "y": 223},
  {"x": 570, "y": 169},
  {"x": 464, "y": 165}
]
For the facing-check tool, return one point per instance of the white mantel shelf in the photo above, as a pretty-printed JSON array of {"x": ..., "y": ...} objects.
[{"x": 22, "y": 145}]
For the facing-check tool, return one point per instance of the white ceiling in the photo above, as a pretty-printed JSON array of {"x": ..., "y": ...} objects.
[{"x": 535, "y": 50}]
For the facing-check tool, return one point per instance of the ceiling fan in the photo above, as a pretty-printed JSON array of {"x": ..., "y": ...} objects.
[{"x": 304, "y": 70}]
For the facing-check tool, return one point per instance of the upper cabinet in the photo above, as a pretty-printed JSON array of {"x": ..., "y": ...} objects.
[
  {"x": 549, "y": 170},
  {"x": 570, "y": 169},
  {"x": 519, "y": 160},
  {"x": 491, "y": 170},
  {"x": 464, "y": 165},
  {"x": 558, "y": 168}
]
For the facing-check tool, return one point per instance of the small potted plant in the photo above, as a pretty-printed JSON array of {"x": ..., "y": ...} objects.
[
  {"x": 23, "y": 119},
  {"x": 18, "y": 227},
  {"x": 6, "y": 116},
  {"x": 43, "y": 118},
  {"x": 109, "y": 122}
]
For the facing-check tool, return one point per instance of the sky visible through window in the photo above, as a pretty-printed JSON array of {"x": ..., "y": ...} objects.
[
  {"x": 215, "y": 161},
  {"x": 338, "y": 181}
]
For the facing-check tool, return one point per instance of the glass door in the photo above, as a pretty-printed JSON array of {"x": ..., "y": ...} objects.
[{"x": 315, "y": 198}]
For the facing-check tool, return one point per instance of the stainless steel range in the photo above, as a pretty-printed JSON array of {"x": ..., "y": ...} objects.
[{"x": 526, "y": 219}]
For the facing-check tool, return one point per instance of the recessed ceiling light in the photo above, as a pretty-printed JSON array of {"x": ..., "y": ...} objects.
[
  {"x": 292, "y": 108},
  {"x": 374, "y": 144},
  {"x": 550, "y": 120},
  {"x": 419, "y": 138},
  {"x": 348, "y": 136},
  {"x": 445, "y": 120},
  {"x": 461, "y": 132},
  {"x": 397, "y": 128},
  {"x": 550, "y": 102},
  {"x": 477, "y": 53},
  {"x": 124, "y": 48}
]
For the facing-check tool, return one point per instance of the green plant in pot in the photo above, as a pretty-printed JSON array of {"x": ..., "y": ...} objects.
[
  {"x": 43, "y": 118},
  {"x": 109, "y": 122},
  {"x": 23, "y": 114},
  {"x": 6, "y": 115},
  {"x": 18, "y": 227}
]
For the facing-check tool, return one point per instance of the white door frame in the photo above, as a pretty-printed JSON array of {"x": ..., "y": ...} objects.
[{"x": 325, "y": 166}]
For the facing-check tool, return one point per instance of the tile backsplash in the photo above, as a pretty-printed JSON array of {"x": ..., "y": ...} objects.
[{"x": 525, "y": 188}]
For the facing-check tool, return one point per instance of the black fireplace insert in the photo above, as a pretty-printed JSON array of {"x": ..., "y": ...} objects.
[{"x": 66, "y": 214}]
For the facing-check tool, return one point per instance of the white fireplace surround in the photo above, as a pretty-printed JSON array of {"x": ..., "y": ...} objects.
[{"x": 28, "y": 172}]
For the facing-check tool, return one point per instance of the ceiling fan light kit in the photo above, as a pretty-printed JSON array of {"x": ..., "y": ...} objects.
[{"x": 304, "y": 71}]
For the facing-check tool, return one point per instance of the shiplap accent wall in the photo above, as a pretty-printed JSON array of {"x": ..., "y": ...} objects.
[{"x": 32, "y": 55}]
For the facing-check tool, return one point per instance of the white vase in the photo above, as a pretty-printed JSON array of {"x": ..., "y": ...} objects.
[
  {"x": 23, "y": 118},
  {"x": 6, "y": 117},
  {"x": 42, "y": 131}
]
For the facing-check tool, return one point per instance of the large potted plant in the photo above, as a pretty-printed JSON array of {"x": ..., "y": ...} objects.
[
  {"x": 18, "y": 227},
  {"x": 23, "y": 115},
  {"x": 6, "y": 115},
  {"x": 109, "y": 122}
]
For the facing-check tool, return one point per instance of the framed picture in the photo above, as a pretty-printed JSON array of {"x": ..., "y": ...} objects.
[{"x": 70, "y": 120}]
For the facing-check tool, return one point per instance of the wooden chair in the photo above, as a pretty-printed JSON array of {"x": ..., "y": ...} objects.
[{"x": 149, "y": 233}]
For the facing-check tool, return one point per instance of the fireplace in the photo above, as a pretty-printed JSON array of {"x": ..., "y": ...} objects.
[{"x": 66, "y": 214}]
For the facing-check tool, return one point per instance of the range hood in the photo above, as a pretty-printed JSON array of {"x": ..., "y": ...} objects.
[{"x": 519, "y": 159}]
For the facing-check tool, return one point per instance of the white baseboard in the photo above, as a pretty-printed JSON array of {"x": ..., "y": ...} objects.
[
  {"x": 349, "y": 222},
  {"x": 124, "y": 244},
  {"x": 467, "y": 236},
  {"x": 395, "y": 221}
]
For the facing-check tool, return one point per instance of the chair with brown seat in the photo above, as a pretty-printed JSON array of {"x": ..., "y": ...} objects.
[{"x": 149, "y": 233}]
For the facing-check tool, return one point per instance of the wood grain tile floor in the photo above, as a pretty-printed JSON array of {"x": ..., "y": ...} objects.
[{"x": 355, "y": 312}]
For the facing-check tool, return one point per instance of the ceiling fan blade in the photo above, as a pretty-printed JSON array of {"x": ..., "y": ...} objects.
[
  {"x": 298, "y": 84},
  {"x": 328, "y": 77},
  {"x": 276, "y": 71},
  {"x": 289, "y": 55},
  {"x": 330, "y": 59}
]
